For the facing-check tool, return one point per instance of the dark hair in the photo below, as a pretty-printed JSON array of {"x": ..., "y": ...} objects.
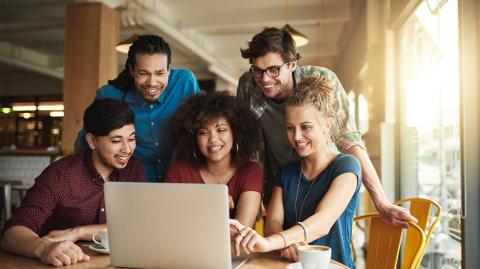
[
  {"x": 105, "y": 115},
  {"x": 271, "y": 40},
  {"x": 145, "y": 44},
  {"x": 204, "y": 107}
]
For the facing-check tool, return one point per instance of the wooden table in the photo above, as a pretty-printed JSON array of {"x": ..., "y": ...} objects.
[{"x": 269, "y": 260}]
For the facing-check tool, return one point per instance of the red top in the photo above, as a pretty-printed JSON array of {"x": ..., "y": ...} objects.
[
  {"x": 69, "y": 193},
  {"x": 247, "y": 177}
]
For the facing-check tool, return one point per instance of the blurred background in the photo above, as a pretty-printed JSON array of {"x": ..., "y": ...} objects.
[{"x": 409, "y": 67}]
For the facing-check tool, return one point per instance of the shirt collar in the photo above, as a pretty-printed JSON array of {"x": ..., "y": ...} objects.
[
  {"x": 92, "y": 171},
  {"x": 138, "y": 98}
]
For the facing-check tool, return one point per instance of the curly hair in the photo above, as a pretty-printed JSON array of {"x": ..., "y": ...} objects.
[
  {"x": 204, "y": 107},
  {"x": 315, "y": 90}
]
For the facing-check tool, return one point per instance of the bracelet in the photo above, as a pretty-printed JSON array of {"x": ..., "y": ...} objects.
[
  {"x": 305, "y": 231},
  {"x": 284, "y": 239}
]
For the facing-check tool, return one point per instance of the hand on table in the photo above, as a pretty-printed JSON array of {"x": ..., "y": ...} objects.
[
  {"x": 290, "y": 253},
  {"x": 61, "y": 253}
]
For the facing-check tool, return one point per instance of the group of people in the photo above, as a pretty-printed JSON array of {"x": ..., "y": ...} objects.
[{"x": 294, "y": 120}]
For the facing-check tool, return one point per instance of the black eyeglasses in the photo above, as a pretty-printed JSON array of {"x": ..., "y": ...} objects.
[{"x": 272, "y": 71}]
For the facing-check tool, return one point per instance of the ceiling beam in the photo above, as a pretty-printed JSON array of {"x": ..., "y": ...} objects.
[
  {"x": 259, "y": 18},
  {"x": 157, "y": 18},
  {"x": 33, "y": 3},
  {"x": 29, "y": 59},
  {"x": 188, "y": 41},
  {"x": 31, "y": 25}
]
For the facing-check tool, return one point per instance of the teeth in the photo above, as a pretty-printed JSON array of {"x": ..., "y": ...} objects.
[
  {"x": 215, "y": 149},
  {"x": 123, "y": 158},
  {"x": 268, "y": 86},
  {"x": 302, "y": 145}
]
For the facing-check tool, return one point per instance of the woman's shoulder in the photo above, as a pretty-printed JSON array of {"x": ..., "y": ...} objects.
[
  {"x": 289, "y": 170},
  {"x": 346, "y": 163},
  {"x": 249, "y": 176},
  {"x": 250, "y": 167},
  {"x": 181, "y": 171},
  {"x": 291, "y": 166},
  {"x": 346, "y": 159}
]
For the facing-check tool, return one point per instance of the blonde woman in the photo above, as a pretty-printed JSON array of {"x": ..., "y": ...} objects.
[{"x": 314, "y": 199}]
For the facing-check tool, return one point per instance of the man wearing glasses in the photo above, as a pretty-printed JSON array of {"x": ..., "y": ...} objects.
[{"x": 273, "y": 74}]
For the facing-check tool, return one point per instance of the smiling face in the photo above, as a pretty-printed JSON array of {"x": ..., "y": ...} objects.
[
  {"x": 276, "y": 88},
  {"x": 215, "y": 140},
  {"x": 113, "y": 150},
  {"x": 307, "y": 129},
  {"x": 150, "y": 75}
]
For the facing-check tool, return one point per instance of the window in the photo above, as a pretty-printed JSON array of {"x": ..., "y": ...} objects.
[{"x": 430, "y": 129}]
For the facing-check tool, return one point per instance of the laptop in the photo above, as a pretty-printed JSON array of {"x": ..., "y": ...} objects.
[{"x": 163, "y": 225}]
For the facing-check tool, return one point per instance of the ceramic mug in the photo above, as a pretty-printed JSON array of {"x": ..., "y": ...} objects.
[
  {"x": 101, "y": 238},
  {"x": 314, "y": 257}
]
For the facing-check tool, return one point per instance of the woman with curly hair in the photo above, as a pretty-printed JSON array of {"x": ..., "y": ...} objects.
[
  {"x": 313, "y": 199},
  {"x": 215, "y": 136}
]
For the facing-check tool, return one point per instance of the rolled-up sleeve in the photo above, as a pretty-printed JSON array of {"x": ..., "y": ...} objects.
[
  {"x": 344, "y": 131},
  {"x": 38, "y": 204}
]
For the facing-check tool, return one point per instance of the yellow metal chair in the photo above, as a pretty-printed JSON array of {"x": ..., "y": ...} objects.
[
  {"x": 384, "y": 243},
  {"x": 420, "y": 208},
  {"x": 259, "y": 225}
]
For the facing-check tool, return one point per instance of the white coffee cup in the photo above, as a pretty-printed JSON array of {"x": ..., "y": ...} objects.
[
  {"x": 314, "y": 257},
  {"x": 101, "y": 238}
]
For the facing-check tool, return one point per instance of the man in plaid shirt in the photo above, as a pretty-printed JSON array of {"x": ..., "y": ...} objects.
[{"x": 273, "y": 74}]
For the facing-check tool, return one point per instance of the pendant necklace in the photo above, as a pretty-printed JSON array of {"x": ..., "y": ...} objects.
[{"x": 298, "y": 216}]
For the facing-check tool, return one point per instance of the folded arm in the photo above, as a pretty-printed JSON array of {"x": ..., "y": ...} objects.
[
  {"x": 77, "y": 233},
  {"x": 23, "y": 241}
]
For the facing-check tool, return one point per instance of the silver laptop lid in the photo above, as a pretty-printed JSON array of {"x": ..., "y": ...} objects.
[{"x": 160, "y": 225}]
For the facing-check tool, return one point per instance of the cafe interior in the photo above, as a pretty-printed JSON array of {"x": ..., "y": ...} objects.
[{"x": 410, "y": 69}]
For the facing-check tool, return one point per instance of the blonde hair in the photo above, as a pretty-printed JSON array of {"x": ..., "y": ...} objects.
[{"x": 316, "y": 90}]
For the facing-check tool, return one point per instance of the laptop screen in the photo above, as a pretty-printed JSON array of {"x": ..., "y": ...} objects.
[{"x": 152, "y": 225}]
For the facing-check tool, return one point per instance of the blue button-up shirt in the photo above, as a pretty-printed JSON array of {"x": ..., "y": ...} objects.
[{"x": 152, "y": 120}]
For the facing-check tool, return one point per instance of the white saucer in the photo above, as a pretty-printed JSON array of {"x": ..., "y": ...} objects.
[
  {"x": 297, "y": 265},
  {"x": 99, "y": 249}
]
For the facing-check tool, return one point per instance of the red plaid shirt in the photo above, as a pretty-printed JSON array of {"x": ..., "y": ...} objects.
[{"x": 67, "y": 194}]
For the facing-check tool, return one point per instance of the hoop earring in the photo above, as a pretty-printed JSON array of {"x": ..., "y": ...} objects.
[
  {"x": 195, "y": 156},
  {"x": 237, "y": 148}
]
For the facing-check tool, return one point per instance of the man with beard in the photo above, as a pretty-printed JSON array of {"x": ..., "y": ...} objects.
[
  {"x": 153, "y": 91},
  {"x": 273, "y": 76},
  {"x": 66, "y": 203}
]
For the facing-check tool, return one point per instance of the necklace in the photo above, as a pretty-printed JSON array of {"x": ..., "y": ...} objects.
[
  {"x": 223, "y": 178},
  {"x": 298, "y": 216}
]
